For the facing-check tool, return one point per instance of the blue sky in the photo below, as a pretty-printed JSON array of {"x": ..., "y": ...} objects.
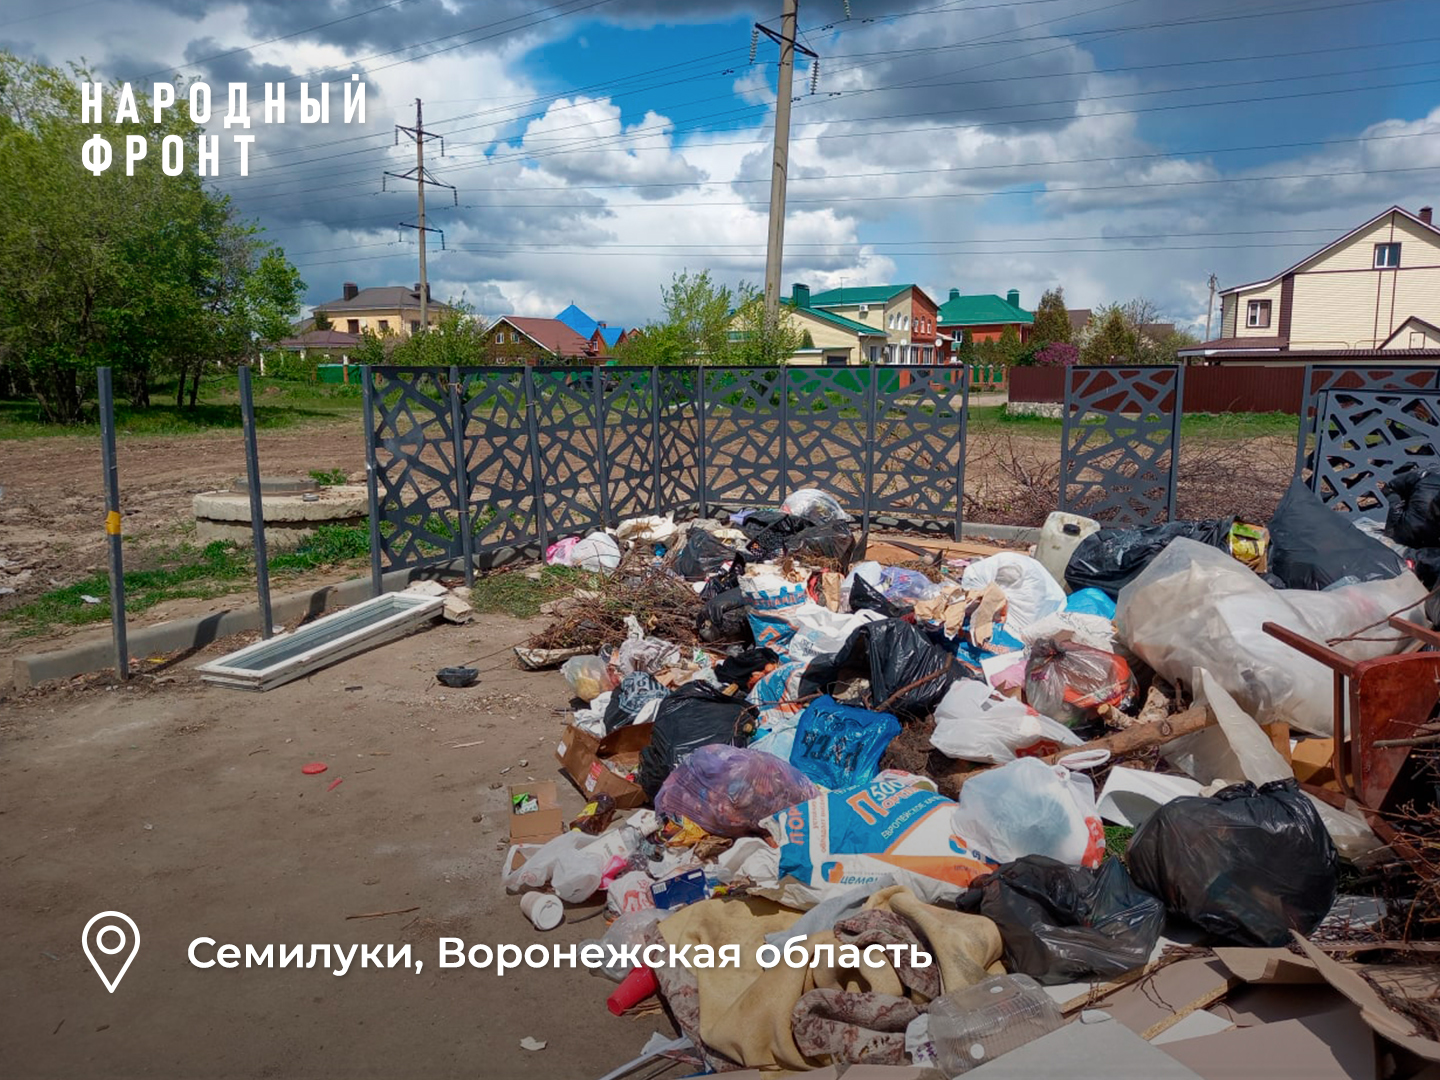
[{"x": 599, "y": 146}]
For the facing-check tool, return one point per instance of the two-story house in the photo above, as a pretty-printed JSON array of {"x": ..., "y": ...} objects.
[
  {"x": 838, "y": 340},
  {"x": 1373, "y": 293},
  {"x": 380, "y": 309},
  {"x": 904, "y": 314},
  {"x": 984, "y": 315}
]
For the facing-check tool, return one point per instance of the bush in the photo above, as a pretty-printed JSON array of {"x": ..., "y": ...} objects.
[{"x": 1057, "y": 354}]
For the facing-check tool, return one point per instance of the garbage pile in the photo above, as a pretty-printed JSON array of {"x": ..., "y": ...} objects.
[{"x": 951, "y": 753}]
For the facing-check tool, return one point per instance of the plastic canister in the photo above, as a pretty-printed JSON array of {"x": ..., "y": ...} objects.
[
  {"x": 1059, "y": 537},
  {"x": 543, "y": 910}
]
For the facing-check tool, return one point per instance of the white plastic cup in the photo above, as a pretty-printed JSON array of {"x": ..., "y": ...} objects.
[{"x": 544, "y": 910}]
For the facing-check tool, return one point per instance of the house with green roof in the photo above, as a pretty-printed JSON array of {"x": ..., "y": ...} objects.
[
  {"x": 985, "y": 316},
  {"x": 905, "y": 314},
  {"x": 838, "y": 340}
]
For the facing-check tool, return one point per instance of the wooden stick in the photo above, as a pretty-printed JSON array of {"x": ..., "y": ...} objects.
[
  {"x": 1139, "y": 737},
  {"x": 1204, "y": 1001},
  {"x": 382, "y": 914}
]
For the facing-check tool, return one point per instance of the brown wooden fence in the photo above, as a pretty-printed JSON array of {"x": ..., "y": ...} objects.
[{"x": 1207, "y": 389}]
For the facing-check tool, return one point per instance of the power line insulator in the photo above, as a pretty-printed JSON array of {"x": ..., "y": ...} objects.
[
  {"x": 847, "y": 8},
  {"x": 814, "y": 76},
  {"x": 754, "y": 43}
]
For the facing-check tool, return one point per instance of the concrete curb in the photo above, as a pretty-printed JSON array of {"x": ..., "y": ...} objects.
[{"x": 200, "y": 630}]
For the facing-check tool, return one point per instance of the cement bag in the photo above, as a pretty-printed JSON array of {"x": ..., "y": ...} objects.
[
  {"x": 598, "y": 553},
  {"x": 1030, "y": 808},
  {"x": 974, "y": 723},
  {"x": 729, "y": 790},
  {"x": 1196, "y": 607},
  {"x": 775, "y": 607},
  {"x": 1030, "y": 591},
  {"x": 892, "y": 826}
]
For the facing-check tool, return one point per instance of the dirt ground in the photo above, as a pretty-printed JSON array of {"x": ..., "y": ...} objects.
[{"x": 184, "y": 806}]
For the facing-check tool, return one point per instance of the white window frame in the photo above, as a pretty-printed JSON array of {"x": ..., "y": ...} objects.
[
  {"x": 1386, "y": 249},
  {"x": 1252, "y": 310}
]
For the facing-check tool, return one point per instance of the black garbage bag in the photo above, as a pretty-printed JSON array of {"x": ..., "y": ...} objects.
[
  {"x": 831, "y": 544},
  {"x": 743, "y": 666},
  {"x": 636, "y": 690},
  {"x": 1312, "y": 546},
  {"x": 1414, "y": 515},
  {"x": 1110, "y": 559},
  {"x": 908, "y": 672},
  {"x": 724, "y": 617},
  {"x": 758, "y": 522},
  {"x": 1249, "y": 864},
  {"x": 1426, "y": 562},
  {"x": 695, "y": 715},
  {"x": 866, "y": 597},
  {"x": 702, "y": 556},
  {"x": 1064, "y": 923},
  {"x": 724, "y": 580}
]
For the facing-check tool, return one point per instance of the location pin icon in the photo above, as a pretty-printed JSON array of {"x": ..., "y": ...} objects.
[{"x": 110, "y": 940}]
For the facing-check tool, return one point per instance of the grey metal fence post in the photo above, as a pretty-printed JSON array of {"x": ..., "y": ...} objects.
[
  {"x": 112, "y": 521},
  {"x": 704, "y": 443},
  {"x": 657, "y": 501},
  {"x": 784, "y": 431},
  {"x": 1063, "y": 502},
  {"x": 257, "y": 503},
  {"x": 1175, "y": 418},
  {"x": 458, "y": 414},
  {"x": 537, "y": 483},
  {"x": 964, "y": 440},
  {"x": 602, "y": 446},
  {"x": 871, "y": 421},
  {"x": 372, "y": 479}
]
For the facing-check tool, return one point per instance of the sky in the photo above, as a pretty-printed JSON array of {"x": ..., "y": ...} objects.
[{"x": 1116, "y": 148}]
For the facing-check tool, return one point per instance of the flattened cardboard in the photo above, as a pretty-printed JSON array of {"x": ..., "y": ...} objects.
[
  {"x": 1330, "y": 1046},
  {"x": 539, "y": 825},
  {"x": 1382, "y": 1019},
  {"x": 1159, "y": 997},
  {"x": 583, "y": 757},
  {"x": 1277, "y": 966},
  {"x": 1104, "y": 1050}
]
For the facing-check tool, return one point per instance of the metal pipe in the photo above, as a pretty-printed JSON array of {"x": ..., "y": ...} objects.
[
  {"x": 257, "y": 504},
  {"x": 112, "y": 521}
]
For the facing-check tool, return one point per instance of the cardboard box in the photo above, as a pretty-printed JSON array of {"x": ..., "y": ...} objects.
[
  {"x": 535, "y": 814},
  {"x": 1313, "y": 762},
  {"x": 583, "y": 758}
]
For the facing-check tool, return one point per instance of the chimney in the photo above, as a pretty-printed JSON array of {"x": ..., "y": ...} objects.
[
  {"x": 1425, "y": 214},
  {"x": 428, "y": 297},
  {"x": 800, "y": 295},
  {"x": 1013, "y": 297},
  {"x": 954, "y": 294},
  {"x": 350, "y": 290},
  {"x": 416, "y": 289}
]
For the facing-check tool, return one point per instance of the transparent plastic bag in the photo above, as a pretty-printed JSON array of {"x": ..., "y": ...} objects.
[
  {"x": 729, "y": 790},
  {"x": 814, "y": 504},
  {"x": 974, "y": 723},
  {"x": 1030, "y": 808},
  {"x": 573, "y": 864},
  {"x": 1070, "y": 681},
  {"x": 1196, "y": 607},
  {"x": 628, "y": 930},
  {"x": 588, "y": 676},
  {"x": 901, "y": 585}
]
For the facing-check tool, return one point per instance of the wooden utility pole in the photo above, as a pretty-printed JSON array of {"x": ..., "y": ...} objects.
[
  {"x": 1210, "y": 308},
  {"x": 422, "y": 177}
]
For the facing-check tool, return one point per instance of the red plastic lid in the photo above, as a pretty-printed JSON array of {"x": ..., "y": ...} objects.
[{"x": 314, "y": 768}]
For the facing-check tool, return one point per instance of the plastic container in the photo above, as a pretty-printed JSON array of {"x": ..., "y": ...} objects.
[
  {"x": 544, "y": 911},
  {"x": 1059, "y": 537},
  {"x": 638, "y": 985},
  {"x": 981, "y": 1022}
]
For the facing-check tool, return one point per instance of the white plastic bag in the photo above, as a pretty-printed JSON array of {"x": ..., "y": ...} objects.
[
  {"x": 1030, "y": 808},
  {"x": 572, "y": 863},
  {"x": 1196, "y": 607},
  {"x": 974, "y": 723},
  {"x": 1030, "y": 592},
  {"x": 814, "y": 504},
  {"x": 598, "y": 553}
]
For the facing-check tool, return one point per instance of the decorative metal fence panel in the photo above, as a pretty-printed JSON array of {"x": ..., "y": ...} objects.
[
  {"x": 1322, "y": 377},
  {"x": 499, "y": 458},
  {"x": 630, "y": 436},
  {"x": 827, "y": 437},
  {"x": 917, "y": 460},
  {"x": 569, "y": 457},
  {"x": 679, "y": 439},
  {"x": 1120, "y": 443},
  {"x": 410, "y": 467},
  {"x": 746, "y": 424},
  {"x": 1368, "y": 437}
]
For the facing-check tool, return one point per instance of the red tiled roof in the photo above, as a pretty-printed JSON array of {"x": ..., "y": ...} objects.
[
  {"x": 320, "y": 339},
  {"x": 550, "y": 334}
]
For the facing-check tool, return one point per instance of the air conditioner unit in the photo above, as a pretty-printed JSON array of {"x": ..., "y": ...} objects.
[{"x": 864, "y": 310}]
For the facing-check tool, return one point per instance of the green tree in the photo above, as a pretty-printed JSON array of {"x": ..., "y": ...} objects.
[
  {"x": 806, "y": 341},
  {"x": 1052, "y": 320},
  {"x": 322, "y": 321},
  {"x": 148, "y": 274},
  {"x": 1111, "y": 338},
  {"x": 457, "y": 338},
  {"x": 760, "y": 339},
  {"x": 695, "y": 327},
  {"x": 1009, "y": 347},
  {"x": 966, "y": 353}
]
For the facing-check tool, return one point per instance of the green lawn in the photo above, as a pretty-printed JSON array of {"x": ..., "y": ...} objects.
[
  {"x": 157, "y": 574},
  {"x": 993, "y": 418},
  {"x": 279, "y": 403}
]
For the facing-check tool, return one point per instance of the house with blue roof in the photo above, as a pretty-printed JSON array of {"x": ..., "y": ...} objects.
[{"x": 602, "y": 337}]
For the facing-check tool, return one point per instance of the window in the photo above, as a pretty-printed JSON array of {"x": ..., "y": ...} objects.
[
  {"x": 384, "y": 326},
  {"x": 1257, "y": 314},
  {"x": 1417, "y": 339},
  {"x": 500, "y": 338},
  {"x": 892, "y": 320},
  {"x": 414, "y": 326},
  {"x": 1387, "y": 256},
  {"x": 514, "y": 337},
  {"x": 906, "y": 324},
  {"x": 874, "y": 353},
  {"x": 352, "y": 325}
]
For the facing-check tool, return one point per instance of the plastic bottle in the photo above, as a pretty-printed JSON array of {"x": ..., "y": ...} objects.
[
  {"x": 980, "y": 1022},
  {"x": 1059, "y": 537}
]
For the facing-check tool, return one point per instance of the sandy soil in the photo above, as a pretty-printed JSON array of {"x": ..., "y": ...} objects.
[{"x": 183, "y": 806}]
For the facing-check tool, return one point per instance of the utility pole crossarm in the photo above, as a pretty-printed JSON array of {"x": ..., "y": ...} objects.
[{"x": 421, "y": 176}]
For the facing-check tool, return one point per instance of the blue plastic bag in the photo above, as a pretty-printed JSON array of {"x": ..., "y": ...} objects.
[
  {"x": 1091, "y": 602},
  {"x": 839, "y": 746}
]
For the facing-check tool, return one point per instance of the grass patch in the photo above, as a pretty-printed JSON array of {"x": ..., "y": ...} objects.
[
  {"x": 1236, "y": 425},
  {"x": 511, "y": 592},
  {"x": 279, "y": 403},
  {"x": 183, "y": 572},
  {"x": 1117, "y": 840},
  {"x": 328, "y": 477}
]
